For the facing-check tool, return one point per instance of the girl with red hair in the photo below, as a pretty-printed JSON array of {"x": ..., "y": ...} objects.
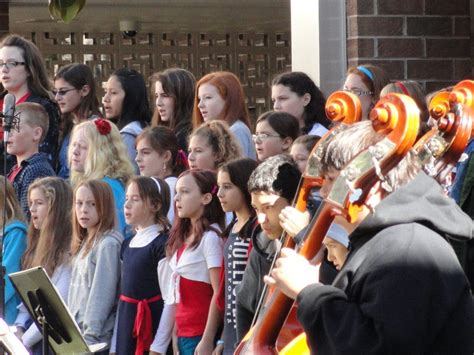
[{"x": 219, "y": 96}]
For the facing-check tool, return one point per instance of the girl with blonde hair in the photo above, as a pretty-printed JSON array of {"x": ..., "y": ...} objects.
[{"x": 97, "y": 151}]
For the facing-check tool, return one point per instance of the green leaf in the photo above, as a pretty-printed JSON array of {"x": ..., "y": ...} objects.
[{"x": 65, "y": 10}]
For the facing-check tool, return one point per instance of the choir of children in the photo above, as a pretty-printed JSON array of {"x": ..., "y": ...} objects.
[{"x": 174, "y": 259}]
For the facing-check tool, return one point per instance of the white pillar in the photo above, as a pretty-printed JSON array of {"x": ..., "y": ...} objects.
[{"x": 318, "y": 41}]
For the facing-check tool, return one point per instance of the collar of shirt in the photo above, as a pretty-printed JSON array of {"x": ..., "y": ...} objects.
[{"x": 145, "y": 236}]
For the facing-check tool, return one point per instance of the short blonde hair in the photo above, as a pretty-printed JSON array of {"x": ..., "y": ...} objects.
[
  {"x": 106, "y": 155},
  {"x": 34, "y": 115}
]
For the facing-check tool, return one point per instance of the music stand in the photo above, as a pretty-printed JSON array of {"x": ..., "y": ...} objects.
[{"x": 50, "y": 313}]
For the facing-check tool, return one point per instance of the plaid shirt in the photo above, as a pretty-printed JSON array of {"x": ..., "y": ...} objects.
[{"x": 36, "y": 166}]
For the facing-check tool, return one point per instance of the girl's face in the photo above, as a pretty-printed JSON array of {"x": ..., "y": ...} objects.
[
  {"x": 85, "y": 208},
  {"x": 188, "y": 199},
  {"x": 67, "y": 96},
  {"x": 150, "y": 162},
  {"x": 201, "y": 155},
  {"x": 14, "y": 79},
  {"x": 39, "y": 206},
  {"x": 289, "y": 101},
  {"x": 355, "y": 85},
  {"x": 300, "y": 155},
  {"x": 138, "y": 212},
  {"x": 211, "y": 104},
  {"x": 164, "y": 103},
  {"x": 79, "y": 147},
  {"x": 113, "y": 98},
  {"x": 230, "y": 196},
  {"x": 268, "y": 142}
]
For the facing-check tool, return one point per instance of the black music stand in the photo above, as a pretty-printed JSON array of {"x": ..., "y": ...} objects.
[{"x": 50, "y": 313}]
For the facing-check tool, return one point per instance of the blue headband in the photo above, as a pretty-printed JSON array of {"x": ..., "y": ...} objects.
[{"x": 366, "y": 71}]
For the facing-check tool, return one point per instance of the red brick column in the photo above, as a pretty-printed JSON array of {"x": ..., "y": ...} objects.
[
  {"x": 4, "y": 18},
  {"x": 424, "y": 40}
]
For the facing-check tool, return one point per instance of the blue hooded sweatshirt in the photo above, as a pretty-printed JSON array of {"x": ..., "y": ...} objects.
[{"x": 14, "y": 245}]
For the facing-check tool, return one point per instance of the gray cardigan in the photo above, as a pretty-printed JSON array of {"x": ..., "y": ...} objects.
[{"x": 94, "y": 289}]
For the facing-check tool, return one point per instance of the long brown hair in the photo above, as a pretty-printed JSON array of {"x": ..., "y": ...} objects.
[
  {"x": 78, "y": 75},
  {"x": 38, "y": 80},
  {"x": 49, "y": 246},
  {"x": 13, "y": 209},
  {"x": 104, "y": 203},
  {"x": 212, "y": 214},
  {"x": 162, "y": 139}
]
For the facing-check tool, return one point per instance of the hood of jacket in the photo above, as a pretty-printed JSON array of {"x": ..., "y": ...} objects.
[
  {"x": 15, "y": 224},
  {"x": 420, "y": 201}
]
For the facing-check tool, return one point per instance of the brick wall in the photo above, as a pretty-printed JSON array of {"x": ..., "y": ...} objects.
[
  {"x": 424, "y": 40},
  {"x": 4, "y": 18}
]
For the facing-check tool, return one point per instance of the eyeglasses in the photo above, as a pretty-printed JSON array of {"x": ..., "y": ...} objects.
[
  {"x": 62, "y": 92},
  {"x": 258, "y": 138},
  {"x": 358, "y": 92},
  {"x": 10, "y": 65}
]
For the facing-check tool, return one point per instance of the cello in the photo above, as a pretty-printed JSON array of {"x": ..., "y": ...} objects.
[
  {"x": 396, "y": 117},
  {"x": 436, "y": 151}
]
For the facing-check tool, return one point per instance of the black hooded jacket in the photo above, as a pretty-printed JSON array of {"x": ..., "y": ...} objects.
[{"x": 401, "y": 290}]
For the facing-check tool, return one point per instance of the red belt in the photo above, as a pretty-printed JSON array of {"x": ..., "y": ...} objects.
[{"x": 143, "y": 324}]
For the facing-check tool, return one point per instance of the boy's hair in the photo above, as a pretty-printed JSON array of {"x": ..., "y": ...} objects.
[
  {"x": 221, "y": 140},
  {"x": 49, "y": 246},
  {"x": 162, "y": 139},
  {"x": 308, "y": 141},
  {"x": 106, "y": 156},
  {"x": 343, "y": 147},
  {"x": 105, "y": 205},
  {"x": 230, "y": 89},
  {"x": 212, "y": 214},
  {"x": 336, "y": 153},
  {"x": 278, "y": 174},
  {"x": 12, "y": 208},
  {"x": 300, "y": 83},
  {"x": 156, "y": 194},
  {"x": 34, "y": 115},
  {"x": 283, "y": 123}
]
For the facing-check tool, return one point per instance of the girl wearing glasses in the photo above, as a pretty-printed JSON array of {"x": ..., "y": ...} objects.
[
  {"x": 366, "y": 81},
  {"x": 75, "y": 92},
  {"x": 219, "y": 96},
  {"x": 275, "y": 133},
  {"x": 298, "y": 95},
  {"x": 23, "y": 74}
]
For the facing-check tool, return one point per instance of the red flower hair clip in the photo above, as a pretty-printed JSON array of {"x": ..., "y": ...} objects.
[{"x": 103, "y": 126}]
